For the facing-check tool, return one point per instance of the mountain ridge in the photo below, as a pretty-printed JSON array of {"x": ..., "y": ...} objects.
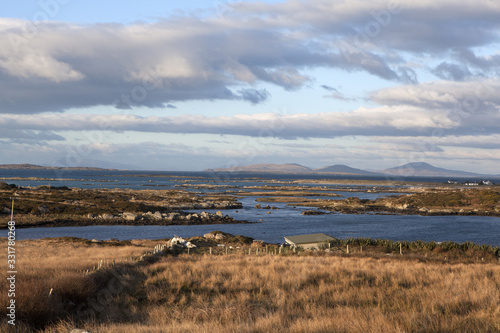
[
  {"x": 28, "y": 166},
  {"x": 415, "y": 169}
]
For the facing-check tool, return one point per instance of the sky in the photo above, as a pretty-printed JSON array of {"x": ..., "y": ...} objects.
[{"x": 167, "y": 85}]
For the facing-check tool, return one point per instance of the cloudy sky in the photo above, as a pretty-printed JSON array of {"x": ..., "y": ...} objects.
[{"x": 165, "y": 85}]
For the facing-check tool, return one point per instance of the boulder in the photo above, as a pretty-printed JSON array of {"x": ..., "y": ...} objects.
[
  {"x": 157, "y": 216},
  {"x": 5, "y": 210},
  {"x": 209, "y": 236},
  {"x": 312, "y": 212},
  {"x": 107, "y": 216},
  {"x": 130, "y": 216},
  {"x": 219, "y": 214}
]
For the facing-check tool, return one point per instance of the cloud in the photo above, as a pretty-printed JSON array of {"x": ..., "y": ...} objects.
[
  {"x": 396, "y": 120},
  {"x": 55, "y": 66},
  {"x": 477, "y": 96},
  {"x": 454, "y": 72},
  {"x": 328, "y": 88}
]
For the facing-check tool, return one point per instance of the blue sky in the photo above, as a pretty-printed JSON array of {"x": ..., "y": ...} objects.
[{"x": 207, "y": 84}]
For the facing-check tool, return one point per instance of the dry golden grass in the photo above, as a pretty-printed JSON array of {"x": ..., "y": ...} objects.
[
  {"x": 271, "y": 293},
  {"x": 60, "y": 265}
]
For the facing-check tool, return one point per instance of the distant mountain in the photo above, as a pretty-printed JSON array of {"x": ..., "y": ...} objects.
[
  {"x": 422, "y": 169},
  {"x": 344, "y": 169},
  {"x": 267, "y": 167},
  {"x": 418, "y": 169},
  {"x": 27, "y": 166}
]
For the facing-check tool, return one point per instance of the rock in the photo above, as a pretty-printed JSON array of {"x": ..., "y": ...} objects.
[
  {"x": 312, "y": 212},
  {"x": 219, "y": 214},
  {"x": 157, "y": 216},
  {"x": 174, "y": 216},
  {"x": 5, "y": 210},
  {"x": 90, "y": 216},
  {"x": 204, "y": 215},
  {"x": 219, "y": 237},
  {"x": 189, "y": 245},
  {"x": 107, "y": 216},
  {"x": 43, "y": 209},
  {"x": 258, "y": 206},
  {"x": 79, "y": 330},
  {"x": 130, "y": 216},
  {"x": 209, "y": 236}
]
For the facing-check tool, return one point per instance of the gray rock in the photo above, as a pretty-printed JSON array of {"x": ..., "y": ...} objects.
[
  {"x": 130, "y": 216},
  {"x": 43, "y": 209},
  {"x": 157, "y": 216}
]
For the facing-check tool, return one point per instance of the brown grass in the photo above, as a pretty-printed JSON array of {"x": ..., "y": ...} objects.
[
  {"x": 268, "y": 293},
  {"x": 61, "y": 265}
]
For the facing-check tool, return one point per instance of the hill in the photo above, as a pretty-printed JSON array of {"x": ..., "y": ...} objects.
[
  {"x": 267, "y": 167},
  {"x": 27, "y": 166},
  {"x": 344, "y": 169},
  {"x": 422, "y": 169}
]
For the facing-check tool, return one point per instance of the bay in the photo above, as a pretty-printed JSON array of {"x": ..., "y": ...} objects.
[{"x": 284, "y": 221}]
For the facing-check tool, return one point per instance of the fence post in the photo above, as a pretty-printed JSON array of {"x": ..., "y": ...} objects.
[
  {"x": 348, "y": 249},
  {"x": 400, "y": 249}
]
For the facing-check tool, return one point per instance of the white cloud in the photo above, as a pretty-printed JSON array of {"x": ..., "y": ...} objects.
[
  {"x": 396, "y": 120},
  {"x": 55, "y": 66}
]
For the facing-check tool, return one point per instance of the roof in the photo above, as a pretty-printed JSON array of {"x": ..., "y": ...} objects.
[{"x": 311, "y": 238}]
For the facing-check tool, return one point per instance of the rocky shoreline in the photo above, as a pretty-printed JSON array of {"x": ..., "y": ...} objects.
[
  {"x": 432, "y": 202},
  {"x": 63, "y": 206},
  {"x": 44, "y": 206}
]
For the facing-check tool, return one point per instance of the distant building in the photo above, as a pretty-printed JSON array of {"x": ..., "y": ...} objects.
[
  {"x": 471, "y": 183},
  {"x": 312, "y": 241},
  {"x": 452, "y": 181},
  {"x": 486, "y": 182}
]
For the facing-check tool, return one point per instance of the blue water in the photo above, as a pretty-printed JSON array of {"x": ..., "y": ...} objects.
[{"x": 285, "y": 221}]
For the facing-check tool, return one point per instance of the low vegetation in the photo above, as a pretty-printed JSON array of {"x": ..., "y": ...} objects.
[
  {"x": 432, "y": 287},
  {"x": 432, "y": 201},
  {"x": 62, "y": 206}
]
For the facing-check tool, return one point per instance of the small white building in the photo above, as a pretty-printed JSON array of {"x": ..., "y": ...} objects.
[{"x": 309, "y": 242}]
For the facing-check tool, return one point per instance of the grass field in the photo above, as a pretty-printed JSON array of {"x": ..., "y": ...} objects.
[{"x": 310, "y": 292}]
